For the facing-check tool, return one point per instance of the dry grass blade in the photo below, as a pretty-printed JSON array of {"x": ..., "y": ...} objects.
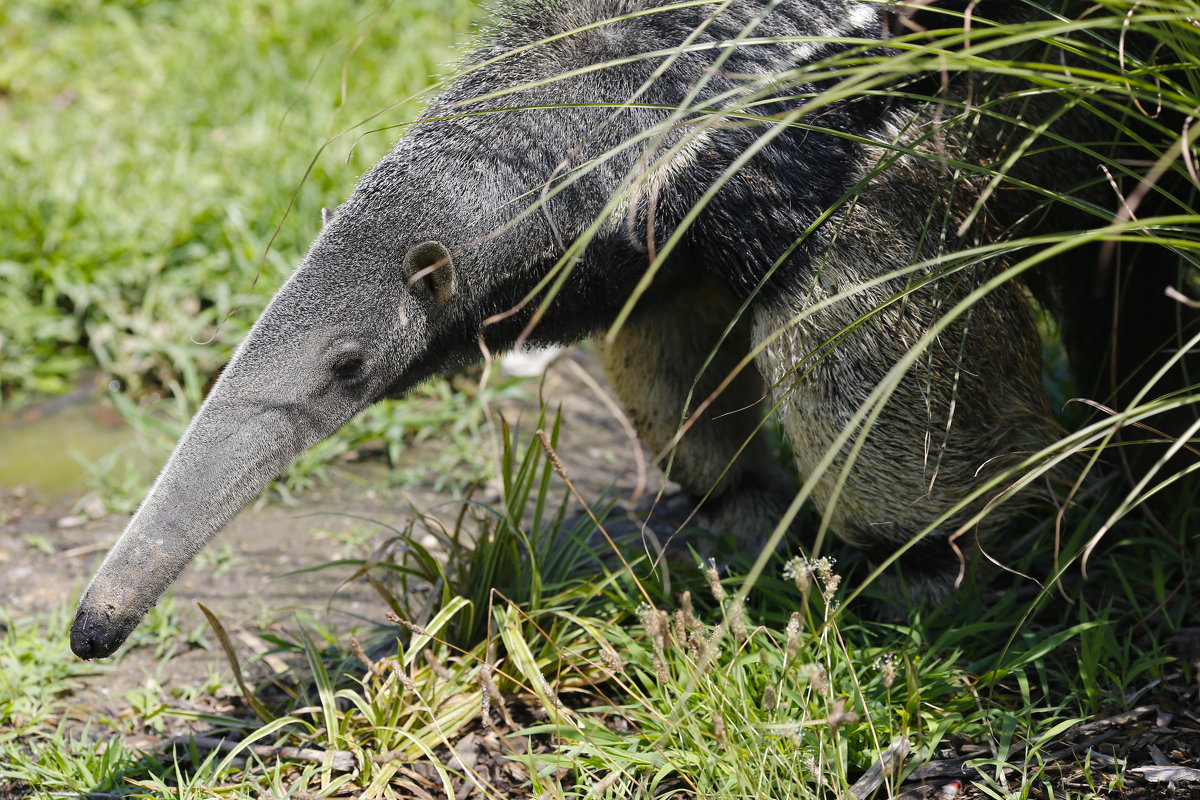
[
  {"x": 231, "y": 655},
  {"x": 340, "y": 760}
]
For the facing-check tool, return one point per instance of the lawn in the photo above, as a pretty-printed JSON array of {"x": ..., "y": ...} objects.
[
  {"x": 163, "y": 167},
  {"x": 158, "y": 159}
]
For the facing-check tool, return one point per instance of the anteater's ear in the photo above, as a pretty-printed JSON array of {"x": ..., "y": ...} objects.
[{"x": 428, "y": 264}]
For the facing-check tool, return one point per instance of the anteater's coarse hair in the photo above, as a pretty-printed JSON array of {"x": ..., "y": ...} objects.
[
  {"x": 815, "y": 206},
  {"x": 839, "y": 230}
]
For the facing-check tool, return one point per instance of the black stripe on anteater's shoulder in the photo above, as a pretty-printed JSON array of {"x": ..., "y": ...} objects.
[{"x": 613, "y": 71}]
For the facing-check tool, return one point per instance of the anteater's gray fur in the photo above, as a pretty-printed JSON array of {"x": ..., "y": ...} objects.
[{"x": 472, "y": 209}]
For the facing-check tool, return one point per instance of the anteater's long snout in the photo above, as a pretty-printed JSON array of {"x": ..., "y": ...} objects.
[{"x": 226, "y": 457}]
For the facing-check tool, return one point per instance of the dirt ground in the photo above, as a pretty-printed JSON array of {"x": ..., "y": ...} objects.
[
  {"x": 48, "y": 550},
  {"x": 245, "y": 585}
]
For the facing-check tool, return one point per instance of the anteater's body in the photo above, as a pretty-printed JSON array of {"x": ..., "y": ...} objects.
[{"x": 577, "y": 158}]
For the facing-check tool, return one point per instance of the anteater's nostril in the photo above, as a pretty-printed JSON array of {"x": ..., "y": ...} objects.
[
  {"x": 347, "y": 367},
  {"x": 95, "y": 635},
  {"x": 82, "y": 644}
]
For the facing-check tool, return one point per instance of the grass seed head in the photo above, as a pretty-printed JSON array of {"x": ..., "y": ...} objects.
[
  {"x": 438, "y": 667},
  {"x": 490, "y": 693},
  {"x": 611, "y": 659},
  {"x": 839, "y": 716},
  {"x": 706, "y": 648},
  {"x": 737, "y": 620},
  {"x": 550, "y": 693},
  {"x": 794, "y": 628},
  {"x": 714, "y": 581},
  {"x": 818, "y": 678},
  {"x": 719, "y": 730},
  {"x": 830, "y": 580},
  {"x": 555, "y": 461},
  {"x": 685, "y": 608},
  {"x": 402, "y": 676},
  {"x": 412, "y": 626},
  {"x": 796, "y": 570},
  {"x": 660, "y": 668},
  {"x": 357, "y": 649},
  {"x": 886, "y": 665},
  {"x": 657, "y": 624}
]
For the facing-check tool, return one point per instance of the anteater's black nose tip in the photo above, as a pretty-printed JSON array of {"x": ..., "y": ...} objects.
[
  {"x": 82, "y": 644},
  {"x": 93, "y": 636}
]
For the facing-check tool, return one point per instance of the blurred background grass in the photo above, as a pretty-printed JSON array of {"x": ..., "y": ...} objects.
[{"x": 149, "y": 149}]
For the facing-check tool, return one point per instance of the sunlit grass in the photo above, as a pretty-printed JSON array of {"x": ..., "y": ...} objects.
[
  {"x": 609, "y": 684},
  {"x": 148, "y": 153},
  {"x": 772, "y": 677},
  {"x": 149, "y": 150}
]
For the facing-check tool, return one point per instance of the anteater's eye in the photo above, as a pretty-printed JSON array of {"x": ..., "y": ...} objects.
[
  {"x": 347, "y": 367},
  {"x": 347, "y": 361}
]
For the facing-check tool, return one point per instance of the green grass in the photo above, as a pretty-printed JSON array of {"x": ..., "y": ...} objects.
[
  {"x": 156, "y": 188},
  {"x": 38, "y": 669},
  {"x": 609, "y": 682},
  {"x": 148, "y": 152}
]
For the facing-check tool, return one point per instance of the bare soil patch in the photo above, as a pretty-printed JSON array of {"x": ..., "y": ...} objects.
[{"x": 48, "y": 549}]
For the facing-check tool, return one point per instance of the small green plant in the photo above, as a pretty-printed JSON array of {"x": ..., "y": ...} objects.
[
  {"x": 40, "y": 542},
  {"x": 163, "y": 630},
  {"x": 523, "y": 553},
  {"x": 354, "y": 540},
  {"x": 67, "y": 761},
  {"x": 36, "y": 670},
  {"x": 219, "y": 558}
]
